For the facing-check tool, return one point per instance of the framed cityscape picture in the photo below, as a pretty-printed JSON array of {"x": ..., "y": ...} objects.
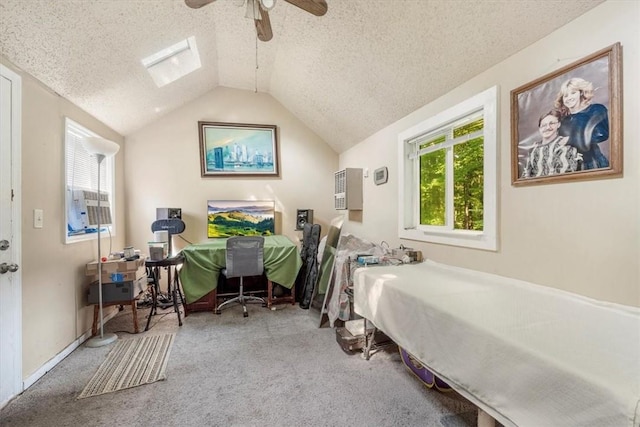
[{"x": 236, "y": 149}]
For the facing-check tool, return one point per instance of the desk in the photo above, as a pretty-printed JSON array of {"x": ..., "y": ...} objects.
[{"x": 203, "y": 262}]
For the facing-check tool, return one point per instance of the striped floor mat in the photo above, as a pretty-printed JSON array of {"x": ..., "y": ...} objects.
[{"x": 131, "y": 363}]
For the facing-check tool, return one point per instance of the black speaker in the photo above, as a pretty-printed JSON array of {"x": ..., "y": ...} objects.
[
  {"x": 303, "y": 217},
  {"x": 168, "y": 213}
]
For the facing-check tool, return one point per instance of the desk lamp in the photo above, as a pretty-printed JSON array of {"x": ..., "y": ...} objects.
[{"x": 101, "y": 148}]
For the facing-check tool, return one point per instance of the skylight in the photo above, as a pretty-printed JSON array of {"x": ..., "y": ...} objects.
[{"x": 171, "y": 63}]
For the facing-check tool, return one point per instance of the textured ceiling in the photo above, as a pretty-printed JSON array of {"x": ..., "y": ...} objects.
[{"x": 348, "y": 74}]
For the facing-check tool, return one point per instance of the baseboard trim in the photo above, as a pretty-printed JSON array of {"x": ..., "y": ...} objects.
[{"x": 31, "y": 379}]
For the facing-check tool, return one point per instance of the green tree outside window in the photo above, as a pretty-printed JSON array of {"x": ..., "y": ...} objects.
[{"x": 468, "y": 180}]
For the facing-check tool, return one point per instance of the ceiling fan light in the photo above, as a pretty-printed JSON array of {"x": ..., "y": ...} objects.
[{"x": 267, "y": 4}]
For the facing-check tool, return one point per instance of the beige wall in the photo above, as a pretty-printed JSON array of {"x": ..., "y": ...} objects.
[
  {"x": 583, "y": 237},
  {"x": 53, "y": 282},
  {"x": 162, "y": 167}
]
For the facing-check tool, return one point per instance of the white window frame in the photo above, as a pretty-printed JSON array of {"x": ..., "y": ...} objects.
[
  {"x": 409, "y": 182},
  {"x": 73, "y": 132}
]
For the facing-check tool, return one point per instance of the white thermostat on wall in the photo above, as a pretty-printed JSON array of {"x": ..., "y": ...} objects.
[{"x": 380, "y": 175}]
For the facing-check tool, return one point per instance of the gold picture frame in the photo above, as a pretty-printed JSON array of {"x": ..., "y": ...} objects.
[
  {"x": 238, "y": 150},
  {"x": 567, "y": 125}
]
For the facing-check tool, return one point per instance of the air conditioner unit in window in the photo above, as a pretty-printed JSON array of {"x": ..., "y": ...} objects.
[{"x": 84, "y": 209}]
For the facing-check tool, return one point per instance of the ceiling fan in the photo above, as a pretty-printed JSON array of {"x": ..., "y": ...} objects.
[{"x": 259, "y": 11}]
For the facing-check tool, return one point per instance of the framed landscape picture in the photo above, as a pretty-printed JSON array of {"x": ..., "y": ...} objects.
[
  {"x": 236, "y": 149},
  {"x": 227, "y": 218},
  {"x": 567, "y": 125}
]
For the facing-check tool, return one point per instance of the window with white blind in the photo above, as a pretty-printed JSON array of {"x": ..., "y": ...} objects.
[
  {"x": 81, "y": 187},
  {"x": 448, "y": 176}
]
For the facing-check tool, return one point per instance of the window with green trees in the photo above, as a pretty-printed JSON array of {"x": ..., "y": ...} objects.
[
  {"x": 466, "y": 166},
  {"x": 449, "y": 168}
]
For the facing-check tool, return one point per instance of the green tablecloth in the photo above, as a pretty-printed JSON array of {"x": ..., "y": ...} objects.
[{"x": 203, "y": 262}]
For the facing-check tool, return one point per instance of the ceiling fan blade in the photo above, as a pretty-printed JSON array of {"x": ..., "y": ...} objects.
[
  {"x": 197, "y": 4},
  {"x": 263, "y": 26},
  {"x": 315, "y": 7}
]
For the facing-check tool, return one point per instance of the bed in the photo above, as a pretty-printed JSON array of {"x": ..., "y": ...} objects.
[{"x": 525, "y": 354}]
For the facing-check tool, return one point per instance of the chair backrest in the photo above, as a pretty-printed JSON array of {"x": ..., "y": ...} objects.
[{"x": 245, "y": 256}]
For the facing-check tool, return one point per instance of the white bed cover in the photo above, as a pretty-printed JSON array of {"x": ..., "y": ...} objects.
[{"x": 527, "y": 355}]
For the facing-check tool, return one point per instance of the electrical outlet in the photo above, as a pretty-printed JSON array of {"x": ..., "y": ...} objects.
[{"x": 38, "y": 218}]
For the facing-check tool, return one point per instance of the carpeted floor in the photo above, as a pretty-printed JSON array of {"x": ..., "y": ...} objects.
[{"x": 274, "y": 368}]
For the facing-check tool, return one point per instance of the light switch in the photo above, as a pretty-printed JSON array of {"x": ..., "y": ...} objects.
[{"x": 38, "y": 218}]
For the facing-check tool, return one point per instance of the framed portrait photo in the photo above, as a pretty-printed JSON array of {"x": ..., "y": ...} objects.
[
  {"x": 238, "y": 150},
  {"x": 567, "y": 125}
]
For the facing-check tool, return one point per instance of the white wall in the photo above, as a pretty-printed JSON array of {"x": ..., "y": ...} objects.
[
  {"x": 583, "y": 237},
  {"x": 162, "y": 167}
]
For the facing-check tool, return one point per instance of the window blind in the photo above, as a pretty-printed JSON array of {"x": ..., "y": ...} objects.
[
  {"x": 81, "y": 177},
  {"x": 81, "y": 167}
]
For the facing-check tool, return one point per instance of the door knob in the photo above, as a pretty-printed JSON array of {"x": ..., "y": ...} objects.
[{"x": 4, "y": 268}]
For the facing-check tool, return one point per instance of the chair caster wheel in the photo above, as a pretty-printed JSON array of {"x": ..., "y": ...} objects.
[
  {"x": 218, "y": 312},
  {"x": 245, "y": 314}
]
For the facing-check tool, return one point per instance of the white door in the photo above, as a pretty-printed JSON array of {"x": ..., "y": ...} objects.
[{"x": 10, "y": 238}]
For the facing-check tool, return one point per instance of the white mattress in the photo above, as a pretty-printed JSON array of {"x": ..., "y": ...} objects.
[{"x": 526, "y": 354}]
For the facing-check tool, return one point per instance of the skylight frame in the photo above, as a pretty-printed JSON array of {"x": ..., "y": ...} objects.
[{"x": 173, "y": 62}]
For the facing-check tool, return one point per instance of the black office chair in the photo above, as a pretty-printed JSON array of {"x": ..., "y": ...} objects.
[
  {"x": 244, "y": 258},
  {"x": 172, "y": 226}
]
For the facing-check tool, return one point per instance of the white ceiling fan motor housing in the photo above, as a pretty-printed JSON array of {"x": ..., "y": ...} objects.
[{"x": 267, "y": 4}]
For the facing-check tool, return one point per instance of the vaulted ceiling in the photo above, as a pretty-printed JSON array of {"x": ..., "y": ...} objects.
[{"x": 346, "y": 75}]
